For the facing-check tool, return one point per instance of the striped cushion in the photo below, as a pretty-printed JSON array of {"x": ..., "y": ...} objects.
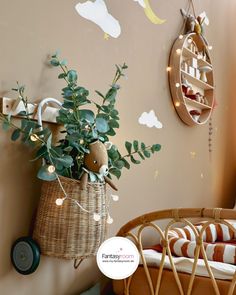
[{"x": 218, "y": 242}]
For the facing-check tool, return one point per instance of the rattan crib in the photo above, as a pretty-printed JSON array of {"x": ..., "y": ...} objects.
[{"x": 154, "y": 280}]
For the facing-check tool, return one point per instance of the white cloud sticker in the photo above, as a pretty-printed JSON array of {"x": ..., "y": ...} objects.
[
  {"x": 97, "y": 12},
  {"x": 150, "y": 120},
  {"x": 141, "y": 3}
]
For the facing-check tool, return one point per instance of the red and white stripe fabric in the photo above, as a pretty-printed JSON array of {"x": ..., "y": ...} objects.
[{"x": 218, "y": 241}]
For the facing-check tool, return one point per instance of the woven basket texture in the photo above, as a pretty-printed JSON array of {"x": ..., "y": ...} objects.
[{"x": 66, "y": 231}]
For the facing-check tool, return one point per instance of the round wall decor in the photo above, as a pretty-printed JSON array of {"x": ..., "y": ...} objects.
[{"x": 191, "y": 79}]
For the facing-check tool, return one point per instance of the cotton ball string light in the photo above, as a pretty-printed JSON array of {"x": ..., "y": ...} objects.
[
  {"x": 178, "y": 51},
  {"x": 168, "y": 69},
  {"x": 177, "y": 85},
  {"x": 181, "y": 36},
  {"x": 96, "y": 216},
  {"x": 51, "y": 169},
  {"x": 34, "y": 137},
  {"x": 115, "y": 198},
  {"x": 109, "y": 219},
  {"x": 59, "y": 201}
]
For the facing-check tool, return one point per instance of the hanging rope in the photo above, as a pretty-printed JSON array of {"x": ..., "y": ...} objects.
[
  {"x": 192, "y": 4},
  {"x": 182, "y": 29}
]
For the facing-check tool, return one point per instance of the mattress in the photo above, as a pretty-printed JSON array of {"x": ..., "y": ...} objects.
[
  {"x": 202, "y": 283},
  {"x": 220, "y": 270}
]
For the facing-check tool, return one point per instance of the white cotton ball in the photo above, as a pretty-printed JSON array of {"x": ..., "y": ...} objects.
[{"x": 96, "y": 217}]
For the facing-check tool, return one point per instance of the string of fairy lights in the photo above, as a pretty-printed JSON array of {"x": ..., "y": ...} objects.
[
  {"x": 59, "y": 201},
  {"x": 179, "y": 52}
]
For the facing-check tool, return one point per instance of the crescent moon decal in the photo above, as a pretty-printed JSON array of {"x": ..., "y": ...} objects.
[{"x": 151, "y": 15}]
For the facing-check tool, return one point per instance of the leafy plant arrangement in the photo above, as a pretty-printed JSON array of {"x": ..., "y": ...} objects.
[{"x": 81, "y": 126}]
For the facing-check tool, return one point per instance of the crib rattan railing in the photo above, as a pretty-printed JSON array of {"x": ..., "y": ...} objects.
[{"x": 183, "y": 215}]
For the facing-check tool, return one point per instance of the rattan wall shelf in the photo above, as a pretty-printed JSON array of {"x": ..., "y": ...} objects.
[{"x": 191, "y": 79}]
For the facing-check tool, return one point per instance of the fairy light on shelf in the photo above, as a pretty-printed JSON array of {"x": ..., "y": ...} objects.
[
  {"x": 190, "y": 40},
  {"x": 178, "y": 51},
  {"x": 181, "y": 36},
  {"x": 177, "y": 104},
  {"x": 168, "y": 69},
  {"x": 210, "y": 47},
  {"x": 177, "y": 85}
]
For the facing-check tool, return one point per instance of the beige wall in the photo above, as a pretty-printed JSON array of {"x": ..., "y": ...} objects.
[{"x": 30, "y": 30}]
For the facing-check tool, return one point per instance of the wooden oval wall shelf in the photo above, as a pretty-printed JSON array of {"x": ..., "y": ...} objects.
[{"x": 191, "y": 79}]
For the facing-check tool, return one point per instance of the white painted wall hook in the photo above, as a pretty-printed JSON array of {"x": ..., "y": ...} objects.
[{"x": 13, "y": 107}]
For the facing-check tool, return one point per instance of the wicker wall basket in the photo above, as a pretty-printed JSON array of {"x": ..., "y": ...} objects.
[{"x": 66, "y": 231}]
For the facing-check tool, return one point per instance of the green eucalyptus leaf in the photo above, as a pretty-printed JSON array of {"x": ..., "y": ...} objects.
[
  {"x": 114, "y": 124},
  {"x": 63, "y": 62},
  {"x": 128, "y": 146},
  {"x": 54, "y": 62},
  {"x": 62, "y": 76},
  {"x": 100, "y": 94},
  {"x": 133, "y": 160},
  {"x": 68, "y": 149},
  {"x": 156, "y": 148},
  {"x": 72, "y": 76},
  {"x": 102, "y": 124},
  {"x": 68, "y": 104},
  {"x": 119, "y": 164},
  {"x": 49, "y": 141},
  {"x": 111, "y": 94},
  {"x": 111, "y": 132},
  {"x": 87, "y": 115},
  {"x": 141, "y": 155},
  {"x": 55, "y": 54},
  {"x": 115, "y": 171},
  {"x": 42, "y": 151},
  {"x": 15, "y": 135},
  {"x": 126, "y": 163},
  {"x": 66, "y": 161},
  {"x": 146, "y": 153},
  {"x": 135, "y": 145},
  {"x": 143, "y": 146},
  {"x": 23, "y": 123},
  {"x": 114, "y": 113},
  {"x": 5, "y": 125},
  {"x": 45, "y": 175}
]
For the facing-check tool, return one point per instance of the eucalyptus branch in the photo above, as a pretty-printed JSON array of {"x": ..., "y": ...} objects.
[
  {"x": 148, "y": 148},
  {"x": 82, "y": 126}
]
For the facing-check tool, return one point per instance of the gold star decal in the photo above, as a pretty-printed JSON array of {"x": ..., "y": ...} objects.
[
  {"x": 106, "y": 36},
  {"x": 156, "y": 174},
  {"x": 193, "y": 154}
]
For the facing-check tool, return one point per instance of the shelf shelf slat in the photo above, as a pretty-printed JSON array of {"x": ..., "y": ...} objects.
[
  {"x": 201, "y": 62},
  {"x": 196, "y": 81},
  {"x": 196, "y": 104}
]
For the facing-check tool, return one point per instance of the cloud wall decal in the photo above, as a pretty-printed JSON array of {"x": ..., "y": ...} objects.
[
  {"x": 150, "y": 120},
  {"x": 97, "y": 13}
]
